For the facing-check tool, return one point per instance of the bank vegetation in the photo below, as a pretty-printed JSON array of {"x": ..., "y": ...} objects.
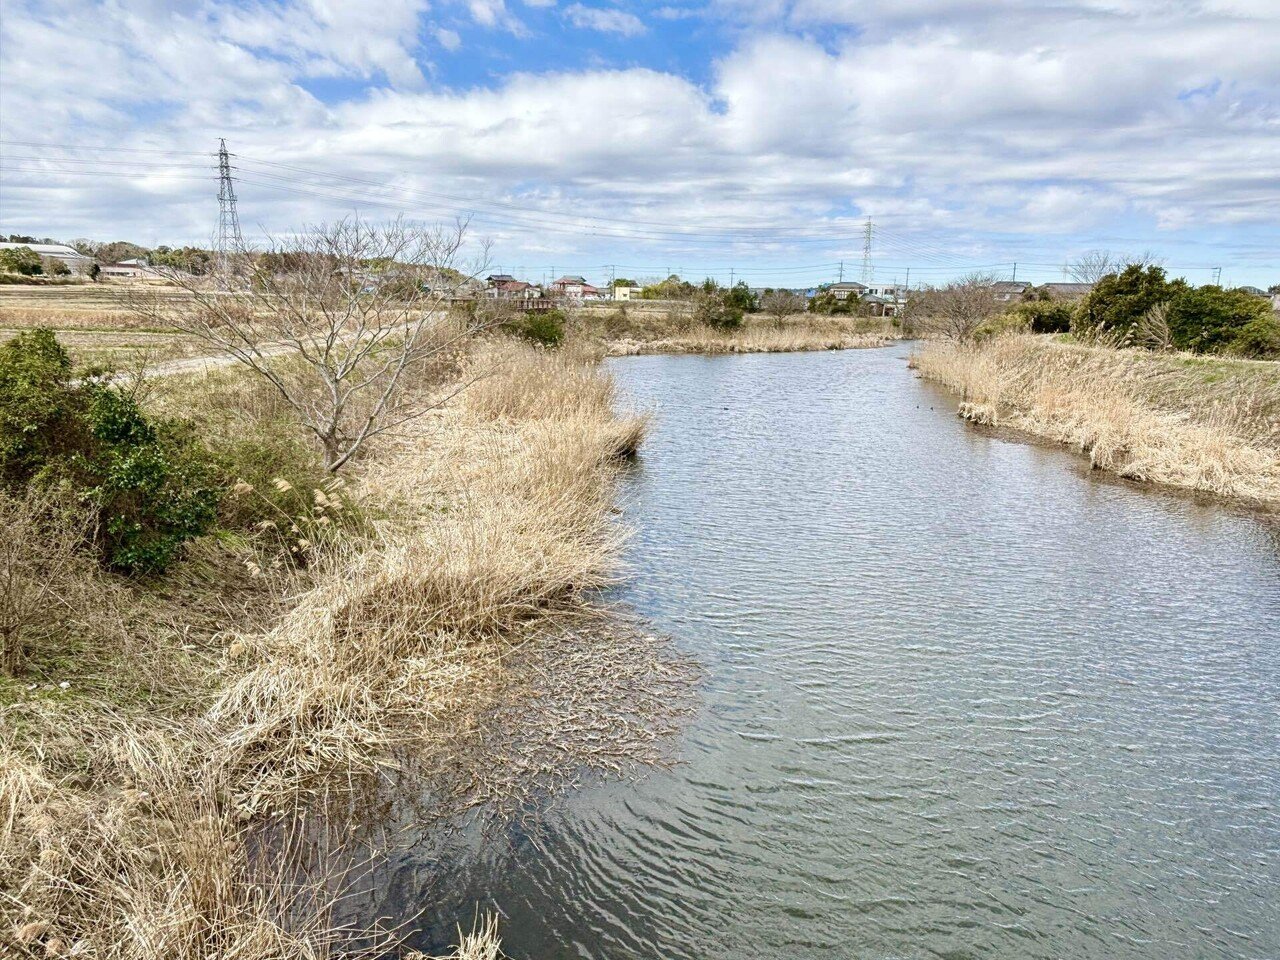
[
  {"x": 1198, "y": 423},
  {"x": 224, "y": 650}
]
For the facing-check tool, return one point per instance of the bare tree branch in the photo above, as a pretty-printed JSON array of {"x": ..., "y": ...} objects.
[{"x": 333, "y": 317}]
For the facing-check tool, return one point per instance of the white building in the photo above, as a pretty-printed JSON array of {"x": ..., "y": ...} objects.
[{"x": 76, "y": 261}]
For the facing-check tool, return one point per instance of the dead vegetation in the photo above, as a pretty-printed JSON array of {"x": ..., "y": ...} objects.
[
  {"x": 1186, "y": 421},
  {"x": 448, "y": 650},
  {"x": 627, "y": 330}
]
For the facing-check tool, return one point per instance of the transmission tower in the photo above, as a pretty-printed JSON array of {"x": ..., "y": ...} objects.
[
  {"x": 866, "y": 252},
  {"x": 229, "y": 239}
]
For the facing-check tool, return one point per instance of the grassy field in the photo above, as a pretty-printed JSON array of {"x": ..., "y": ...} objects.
[
  {"x": 1199, "y": 423},
  {"x": 94, "y": 321},
  {"x": 425, "y": 632}
]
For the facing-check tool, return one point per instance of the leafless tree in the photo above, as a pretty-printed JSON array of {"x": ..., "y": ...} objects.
[
  {"x": 1093, "y": 265},
  {"x": 958, "y": 309},
  {"x": 781, "y": 304},
  {"x": 334, "y": 317}
]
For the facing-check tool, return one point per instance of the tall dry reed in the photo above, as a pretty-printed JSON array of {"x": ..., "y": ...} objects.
[
  {"x": 1190, "y": 422},
  {"x": 131, "y": 834}
]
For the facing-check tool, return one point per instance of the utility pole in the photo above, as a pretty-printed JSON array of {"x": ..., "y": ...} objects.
[
  {"x": 731, "y": 278},
  {"x": 841, "y": 271},
  {"x": 1217, "y": 276},
  {"x": 908, "y": 284},
  {"x": 866, "y": 252},
  {"x": 228, "y": 219},
  {"x": 1015, "y": 270}
]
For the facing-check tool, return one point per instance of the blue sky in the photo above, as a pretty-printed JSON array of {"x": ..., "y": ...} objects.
[{"x": 756, "y": 136}]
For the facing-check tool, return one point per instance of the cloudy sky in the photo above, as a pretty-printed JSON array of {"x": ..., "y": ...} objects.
[{"x": 757, "y": 135}]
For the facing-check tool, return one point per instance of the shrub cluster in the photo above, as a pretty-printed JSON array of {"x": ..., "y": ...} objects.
[
  {"x": 1205, "y": 319},
  {"x": 543, "y": 327},
  {"x": 1045, "y": 316},
  {"x": 21, "y": 260},
  {"x": 149, "y": 484},
  {"x": 713, "y": 308}
]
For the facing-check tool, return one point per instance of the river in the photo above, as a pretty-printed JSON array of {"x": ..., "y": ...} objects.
[{"x": 964, "y": 698}]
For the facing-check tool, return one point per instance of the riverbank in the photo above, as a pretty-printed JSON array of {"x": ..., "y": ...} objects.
[
  {"x": 626, "y": 330},
  {"x": 1197, "y": 423},
  {"x": 423, "y": 633}
]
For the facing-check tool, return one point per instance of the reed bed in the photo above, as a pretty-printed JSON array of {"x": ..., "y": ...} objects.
[
  {"x": 1204, "y": 424},
  {"x": 631, "y": 332},
  {"x": 449, "y": 649}
]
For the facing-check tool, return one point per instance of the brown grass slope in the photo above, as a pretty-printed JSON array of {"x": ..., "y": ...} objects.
[
  {"x": 1197, "y": 423},
  {"x": 449, "y": 647}
]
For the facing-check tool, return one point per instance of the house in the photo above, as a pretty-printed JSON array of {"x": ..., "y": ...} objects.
[
  {"x": 1006, "y": 290},
  {"x": 575, "y": 288},
  {"x": 881, "y": 306},
  {"x": 847, "y": 289},
  {"x": 625, "y": 291},
  {"x": 515, "y": 290},
  {"x": 1067, "y": 291},
  {"x": 494, "y": 279},
  {"x": 76, "y": 261}
]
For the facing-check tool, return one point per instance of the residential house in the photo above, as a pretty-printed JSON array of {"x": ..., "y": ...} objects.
[
  {"x": 1067, "y": 291},
  {"x": 625, "y": 291},
  {"x": 574, "y": 288},
  {"x": 516, "y": 290},
  {"x": 1007, "y": 290},
  {"x": 847, "y": 289}
]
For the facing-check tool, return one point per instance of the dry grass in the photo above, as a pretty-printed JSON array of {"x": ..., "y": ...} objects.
[
  {"x": 95, "y": 322},
  {"x": 498, "y": 515},
  {"x": 630, "y": 331},
  {"x": 1197, "y": 423},
  {"x": 449, "y": 649}
]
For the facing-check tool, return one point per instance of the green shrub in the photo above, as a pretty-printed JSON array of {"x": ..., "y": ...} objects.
[
  {"x": 21, "y": 260},
  {"x": 1259, "y": 338},
  {"x": 1045, "y": 316},
  {"x": 150, "y": 485},
  {"x": 711, "y": 308},
  {"x": 1210, "y": 319},
  {"x": 740, "y": 298},
  {"x": 1118, "y": 302},
  {"x": 544, "y": 327}
]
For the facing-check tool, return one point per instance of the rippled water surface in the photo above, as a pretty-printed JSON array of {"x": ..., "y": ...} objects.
[{"x": 964, "y": 699}]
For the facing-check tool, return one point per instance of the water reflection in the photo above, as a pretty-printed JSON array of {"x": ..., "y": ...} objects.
[{"x": 964, "y": 699}]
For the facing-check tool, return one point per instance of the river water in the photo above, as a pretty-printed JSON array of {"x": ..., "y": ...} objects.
[{"x": 963, "y": 698}]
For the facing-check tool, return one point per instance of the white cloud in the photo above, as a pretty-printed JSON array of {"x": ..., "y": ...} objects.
[
  {"x": 604, "y": 20},
  {"x": 487, "y": 12},
  {"x": 976, "y": 117}
]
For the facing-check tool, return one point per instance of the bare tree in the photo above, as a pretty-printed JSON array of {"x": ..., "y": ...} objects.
[
  {"x": 334, "y": 317},
  {"x": 781, "y": 304},
  {"x": 1093, "y": 265},
  {"x": 958, "y": 309}
]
